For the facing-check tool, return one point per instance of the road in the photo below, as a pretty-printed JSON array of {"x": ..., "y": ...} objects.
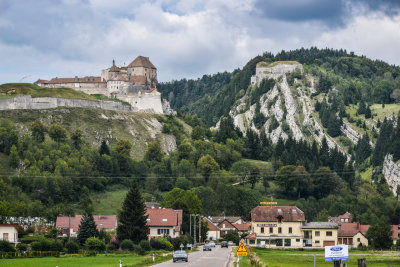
[{"x": 218, "y": 257}]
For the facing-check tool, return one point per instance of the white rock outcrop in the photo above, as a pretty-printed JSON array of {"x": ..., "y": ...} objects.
[{"x": 391, "y": 172}]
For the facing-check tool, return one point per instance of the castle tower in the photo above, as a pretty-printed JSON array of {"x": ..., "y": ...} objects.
[{"x": 142, "y": 66}]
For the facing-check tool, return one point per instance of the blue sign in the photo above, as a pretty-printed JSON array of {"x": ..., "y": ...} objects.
[{"x": 333, "y": 253}]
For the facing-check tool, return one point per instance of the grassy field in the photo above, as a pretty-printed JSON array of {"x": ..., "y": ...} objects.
[
  {"x": 17, "y": 89},
  {"x": 286, "y": 258},
  {"x": 110, "y": 202},
  {"x": 98, "y": 261}
]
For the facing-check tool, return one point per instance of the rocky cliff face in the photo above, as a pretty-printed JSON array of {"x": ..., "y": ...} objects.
[
  {"x": 391, "y": 172},
  {"x": 288, "y": 109}
]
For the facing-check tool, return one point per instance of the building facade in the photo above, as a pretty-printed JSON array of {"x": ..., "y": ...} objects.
[
  {"x": 286, "y": 227},
  {"x": 69, "y": 226},
  {"x": 135, "y": 84},
  {"x": 9, "y": 232},
  {"x": 164, "y": 222}
]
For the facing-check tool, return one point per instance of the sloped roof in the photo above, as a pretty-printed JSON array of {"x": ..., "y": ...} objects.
[
  {"x": 251, "y": 236},
  {"x": 395, "y": 232},
  {"x": 102, "y": 222},
  {"x": 74, "y": 80},
  {"x": 211, "y": 225},
  {"x": 271, "y": 214},
  {"x": 218, "y": 219},
  {"x": 320, "y": 225},
  {"x": 243, "y": 227},
  {"x": 41, "y": 81},
  {"x": 164, "y": 217},
  {"x": 351, "y": 229},
  {"x": 16, "y": 226},
  {"x": 141, "y": 61}
]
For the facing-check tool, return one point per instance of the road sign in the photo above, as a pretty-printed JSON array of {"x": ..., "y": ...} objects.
[{"x": 241, "y": 251}]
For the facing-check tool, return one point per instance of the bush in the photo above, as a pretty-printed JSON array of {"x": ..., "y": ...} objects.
[
  {"x": 5, "y": 246},
  {"x": 110, "y": 247},
  {"x": 72, "y": 247},
  {"x": 155, "y": 244},
  {"x": 95, "y": 244},
  {"x": 145, "y": 245},
  {"x": 22, "y": 247},
  {"x": 56, "y": 245},
  {"x": 36, "y": 246},
  {"x": 127, "y": 245},
  {"x": 138, "y": 249}
]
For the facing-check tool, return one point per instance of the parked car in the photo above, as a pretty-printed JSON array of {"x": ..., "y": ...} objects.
[
  {"x": 212, "y": 244},
  {"x": 180, "y": 255},
  {"x": 230, "y": 243},
  {"x": 206, "y": 247},
  {"x": 224, "y": 244}
]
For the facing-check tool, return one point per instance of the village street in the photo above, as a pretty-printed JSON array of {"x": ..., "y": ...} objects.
[{"x": 218, "y": 257}]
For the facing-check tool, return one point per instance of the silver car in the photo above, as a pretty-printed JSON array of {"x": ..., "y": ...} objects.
[
  {"x": 180, "y": 255},
  {"x": 212, "y": 244}
]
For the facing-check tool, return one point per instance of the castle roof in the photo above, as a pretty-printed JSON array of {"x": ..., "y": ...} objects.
[
  {"x": 133, "y": 78},
  {"x": 141, "y": 61},
  {"x": 76, "y": 80}
]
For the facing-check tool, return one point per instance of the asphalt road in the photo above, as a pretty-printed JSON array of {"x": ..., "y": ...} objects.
[{"x": 218, "y": 257}]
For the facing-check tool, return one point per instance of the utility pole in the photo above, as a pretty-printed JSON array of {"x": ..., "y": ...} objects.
[
  {"x": 199, "y": 228},
  {"x": 194, "y": 230},
  {"x": 190, "y": 224}
]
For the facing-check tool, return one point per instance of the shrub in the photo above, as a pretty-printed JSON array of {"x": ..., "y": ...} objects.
[
  {"x": 145, "y": 245},
  {"x": 36, "y": 246},
  {"x": 72, "y": 247},
  {"x": 5, "y": 246},
  {"x": 138, "y": 249},
  {"x": 22, "y": 247},
  {"x": 95, "y": 244},
  {"x": 155, "y": 243},
  {"x": 56, "y": 245},
  {"x": 127, "y": 245},
  {"x": 110, "y": 247}
]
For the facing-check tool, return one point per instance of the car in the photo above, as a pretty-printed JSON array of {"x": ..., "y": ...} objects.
[
  {"x": 230, "y": 243},
  {"x": 224, "y": 244},
  {"x": 212, "y": 244},
  {"x": 206, "y": 247},
  {"x": 180, "y": 255}
]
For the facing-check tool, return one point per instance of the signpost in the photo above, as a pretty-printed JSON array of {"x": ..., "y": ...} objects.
[
  {"x": 335, "y": 253},
  {"x": 241, "y": 251}
]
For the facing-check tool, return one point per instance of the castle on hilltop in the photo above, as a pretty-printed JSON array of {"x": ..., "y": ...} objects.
[{"x": 135, "y": 84}]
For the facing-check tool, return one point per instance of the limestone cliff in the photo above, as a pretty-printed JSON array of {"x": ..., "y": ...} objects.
[{"x": 391, "y": 172}]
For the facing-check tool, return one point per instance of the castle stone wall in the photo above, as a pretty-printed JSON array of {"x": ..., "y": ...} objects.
[{"x": 27, "y": 102}]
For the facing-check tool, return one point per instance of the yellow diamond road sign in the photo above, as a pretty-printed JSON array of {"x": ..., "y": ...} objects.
[{"x": 242, "y": 251}]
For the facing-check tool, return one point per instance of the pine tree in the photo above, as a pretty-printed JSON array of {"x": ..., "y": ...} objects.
[
  {"x": 132, "y": 218},
  {"x": 87, "y": 228},
  {"x": 13, "y": 158},
  {"x": 104, "y": 148}
]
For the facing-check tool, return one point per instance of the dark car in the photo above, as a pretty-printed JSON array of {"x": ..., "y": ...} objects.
[
  {"x": 224, "y": 244},
  {"x": 206, "y": 247},
  {"x": 180, "y": 255}
]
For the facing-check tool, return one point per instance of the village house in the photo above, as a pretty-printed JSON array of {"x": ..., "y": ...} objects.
[
  {"x": 219, "y": 226},
  {"x": 285, "y": 226},
  {"x": 9, "y": 232},
  {"x": 353, "y": 234},
  {"x": 164, "y": 222},
  {"x": 70, "y": 225},
  {"x": 214, "y": 232}
]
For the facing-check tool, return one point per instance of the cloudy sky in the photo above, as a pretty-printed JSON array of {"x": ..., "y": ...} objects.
[{"x": 183, "y": 38}]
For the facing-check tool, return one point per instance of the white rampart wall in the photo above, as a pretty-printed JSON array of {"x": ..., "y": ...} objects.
[{"x": 27, "y": 102}]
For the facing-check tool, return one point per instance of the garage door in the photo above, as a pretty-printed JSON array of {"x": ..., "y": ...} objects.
[{"x": 329, "y": 243}]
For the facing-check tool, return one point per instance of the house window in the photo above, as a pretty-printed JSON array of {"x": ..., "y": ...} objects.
[
  {"x": 297, "y": 240},
  {"x": 223, "y": 225},
  {"x": 5, "y": 236},
  {"x": 262, "y": 230},
  {"x": 271, "y": 230},
  {"x": 279, "y": 230},
  {"x": 317, "y": 242},
  {"x": 329, "y": 233},
  {"x": 290, "y": 230},
  {"x": 163, "y": 231},
  {"x": 358, "y": 239},
  {"x": 316, "y": 233}
]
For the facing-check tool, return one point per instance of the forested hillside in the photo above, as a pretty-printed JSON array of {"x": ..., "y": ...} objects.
[{"x": 344, "y": 107}]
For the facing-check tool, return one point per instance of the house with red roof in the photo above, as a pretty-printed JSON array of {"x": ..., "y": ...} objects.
[
  {"x": 164, "y": 222},
  {"x": 9, "y": 232},
  {"x": 70, "y": 225}
]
